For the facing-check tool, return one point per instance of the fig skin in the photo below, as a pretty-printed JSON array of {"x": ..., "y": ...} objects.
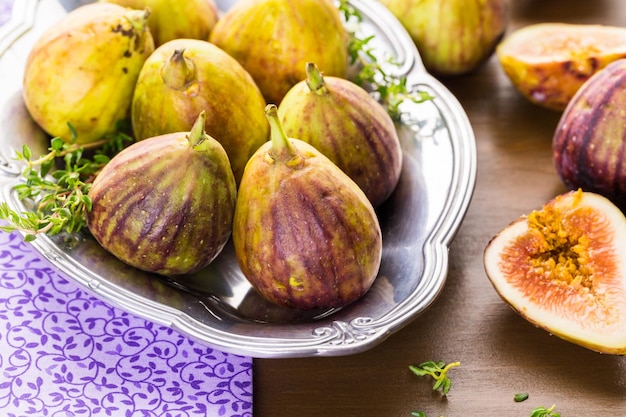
[
  {"x": 548, "y": 62},
  {"x": 563, "y": 268},
  {"x": 175, "y": 19},
  {"x": 186, "y": 76},
  {"x": 95, "y": 51},
  {"x": 454, "y": 37},
  {"x": 165, "y": 204},
  {"x": 588, "y": 144},
  {"x": 274, "y": 39},
  {"x": 347, "y": 125},
  {"x": 320, "y": 243}
]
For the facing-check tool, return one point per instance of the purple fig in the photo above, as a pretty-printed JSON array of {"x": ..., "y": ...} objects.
[
  {"x": 165, "y": 204},
  {"x": 589, "y": 145},
  {"x": 305, "y": 235},
  {"x": 347, "y": 125}
]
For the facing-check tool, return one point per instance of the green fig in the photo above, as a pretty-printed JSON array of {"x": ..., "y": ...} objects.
[
  {"x": 82, "y": 71},
  {"x": 305, "y": 235},
  {"x": 175, "y": 19},
  {"x": 347, "y": 125},
  {"x": 165, "y": 204},
  {"x": 453, "y": 37},
  {"x": 186, "y": 76},
  {"x": 274, "y": 39}
]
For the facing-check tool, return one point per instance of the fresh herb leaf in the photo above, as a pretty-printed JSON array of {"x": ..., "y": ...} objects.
[
  {"x": 438, "y": 371},
  {"x": 522, "y": 396},
  {"x": 59, "y": 197},
  {"x": 418, "y": 414},
  {"x": 391, "y": 91},
  {"x": 545, "y": 412}
]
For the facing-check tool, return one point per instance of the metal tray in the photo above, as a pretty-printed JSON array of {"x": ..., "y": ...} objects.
[{"x": 218, "y": 306}]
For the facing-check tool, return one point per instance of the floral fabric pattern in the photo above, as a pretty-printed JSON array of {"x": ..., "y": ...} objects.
[{"x": 65, "y": 353}]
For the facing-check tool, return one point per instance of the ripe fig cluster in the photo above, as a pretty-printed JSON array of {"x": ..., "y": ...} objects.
[{"x": 237, "y": 135}]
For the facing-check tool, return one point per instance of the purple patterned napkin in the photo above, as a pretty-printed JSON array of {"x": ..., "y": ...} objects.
[{"x": 64, "y": 352}]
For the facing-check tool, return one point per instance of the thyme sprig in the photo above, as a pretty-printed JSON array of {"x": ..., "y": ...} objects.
[
  {"x": 545, "y": 412},
  {"x": 391, "y": 90},
  {"x": 438, "y": 371},
  {"x": 59, "y": 197}
]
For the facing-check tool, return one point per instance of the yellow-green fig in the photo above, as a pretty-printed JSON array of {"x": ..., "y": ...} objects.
[
  {"x": 186, "y": 76},
  {"x": 453, "y": 37},
  {"x": 175, "y": 19},
  {"x": 305, "y": 235},
  {"x": 82, "y": 71},
  {"x": 274, "y": 39}
]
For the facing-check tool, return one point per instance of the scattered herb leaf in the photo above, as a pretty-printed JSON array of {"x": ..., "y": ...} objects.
[
  {"x": 418, "y": 414},
  {"x": 545, "y": 412},
  {"x": 523, "y": 396},
  {"x": 439, "y": 372},
  {"x": 59, "y": 197},
  {"x": 392, "y": 91}
]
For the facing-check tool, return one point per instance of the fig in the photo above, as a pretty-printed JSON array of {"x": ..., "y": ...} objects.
[
  {"x": 320, "y": 243},
  {"x": 563, "y": 269},
  {"x": 174, "y": 19},
  {"x": 186, "y": 76},
  {"x": 342, "y": 121},
  {"x": 274, "y": 39},
  {"x": 453, "y": 37},
  {"x": 588, "y": 145},
  {"x": 548, "y": 62},
  {"x": 165, "y": 204},
  {"x": 82, "y": 71}
]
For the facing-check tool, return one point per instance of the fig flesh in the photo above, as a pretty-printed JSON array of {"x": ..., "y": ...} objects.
[
  {"x": 347, "y": 125},
  {"x": 588, "y": 146},
  {"x": 186, "y": 76},
  {"x": 305, "y": 235},
  {"x": 83, "y": 71},
  {"x": 549, "y": 62},
  {"x": 175, "y": 19},
  {"x": 563, "y": 268},
  {"x": 165, "y": 204},
  {"x": 453, "y": 37},
  {"x": 274, "y": 39}
]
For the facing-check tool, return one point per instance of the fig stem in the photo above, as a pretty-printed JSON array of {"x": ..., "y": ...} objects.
[
  {"x": 138, "y": 19},
  {"x": 315, "y": 79},
  {"x": 178, "y": 71},
  {"x": 196, "y": 135},
  {"x": 282, "y": 150}
]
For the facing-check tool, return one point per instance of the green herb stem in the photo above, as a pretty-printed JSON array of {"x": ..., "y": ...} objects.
[
  {"x": 59, "y": 197},
  {"x": 392, "y": 91},
  {"x": 545, "y": 412},
  {"x": 438, "y": 371}
]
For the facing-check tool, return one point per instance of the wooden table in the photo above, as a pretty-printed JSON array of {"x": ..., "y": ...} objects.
[{"x": 501, "y": 354}]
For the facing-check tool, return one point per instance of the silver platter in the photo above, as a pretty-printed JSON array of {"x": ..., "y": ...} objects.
[{"x": 217, "y": 306}]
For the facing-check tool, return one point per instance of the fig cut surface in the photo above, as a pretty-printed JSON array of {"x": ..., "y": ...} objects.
[
  {"x": 563, "y": 268},
  {"x": 549, "y": 62}
]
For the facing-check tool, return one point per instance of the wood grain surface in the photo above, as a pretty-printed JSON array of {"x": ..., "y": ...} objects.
[{"x": 501, "y": 354}]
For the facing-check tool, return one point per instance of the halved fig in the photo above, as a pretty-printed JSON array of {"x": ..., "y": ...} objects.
[
  {"x": 563, "y": 268},
  {"x": 548, "y": 62}
]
